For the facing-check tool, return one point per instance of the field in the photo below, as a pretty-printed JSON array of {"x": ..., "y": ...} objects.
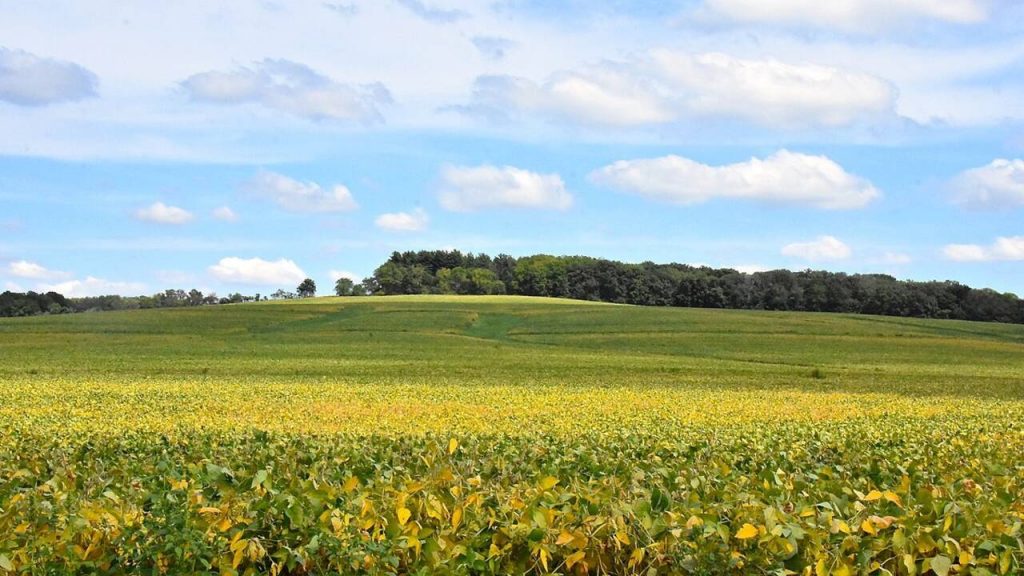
[{"x": 494, "y": 435}]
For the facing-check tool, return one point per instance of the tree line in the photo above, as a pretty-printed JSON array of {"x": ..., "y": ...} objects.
[
  {"x": 33, "y": 303},
  {"x": 650, "y": 284}
]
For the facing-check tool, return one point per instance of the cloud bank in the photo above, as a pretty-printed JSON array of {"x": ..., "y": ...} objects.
[{"x": 664, "y": 86}]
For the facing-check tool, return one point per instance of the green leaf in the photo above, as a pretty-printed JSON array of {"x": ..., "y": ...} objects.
[
  {"x": 659, "y": 500},
  {"x": 6, "y": 563},
  {"x": 941, "y": 565}
]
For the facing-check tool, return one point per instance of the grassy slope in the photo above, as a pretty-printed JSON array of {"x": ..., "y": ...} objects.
[{"x": 513, "y": 339}]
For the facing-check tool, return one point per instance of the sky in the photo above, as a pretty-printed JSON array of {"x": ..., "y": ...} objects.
[{"x": 243, "y": 146}]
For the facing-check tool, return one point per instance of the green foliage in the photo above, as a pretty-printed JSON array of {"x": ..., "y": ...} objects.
[
  {"x": 650, "y": 284},
  {"x": 306, "y": 288},
  {"x": 344, "y": 287}
]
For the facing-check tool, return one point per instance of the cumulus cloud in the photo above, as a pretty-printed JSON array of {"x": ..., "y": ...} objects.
[
  {"x": 850, "y": 15},
  {"x": 28, "y": 80},
  {"x": 665, "y": 86},
  {"x": 999, "y": 184},
  {"x": 163, "y": 214},
  {"x": 414, "y": 221},
  {"x": 92, "y": 286},
  {"x": 1004, "y": 248},
  {"x": 33, "y": 271},
  {"x": 468, "y": 189},
  {"x": 257, "y": 271},
  {"x": 784, "y": 177},
  {"x": 290, "y": 87},
  {"x": 822, "y": 249},
  {"x": 225, "y": 214},
  {"x": 295, "y": 196}
]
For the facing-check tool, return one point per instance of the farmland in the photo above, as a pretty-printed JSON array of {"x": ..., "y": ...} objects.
[{"x": 466, "y": 435}]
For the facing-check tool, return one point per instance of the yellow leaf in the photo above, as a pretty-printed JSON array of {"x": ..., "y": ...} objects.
[
  {"x": 336, "y": 523},
  {"x": 572, "y": 559},
  {"x": 544, "y": 558},
  {"x": 842, "y": 570},
  {"x": 239, "y": 554},
  {"x": 224, "y": 525},
  {"x": 453, "y": 445},
  {"x": 868, "y": 527},
  {"x": 403, "y": 515},
  {"x": 351, "y": 484},
  {"x": 622, "y": 537},
  {"x": 693, "y": 522},
  {"x": 636, "y": 557},
  {"x": 237, "y": 543},
  {"x": 747, "y": 531},
  {"x": 209, "y": 510},
  {"x": 564, "y": 538},
  {"x": 893, "y": 497},
  {"x": 873, "y": 495},
  {"x": 456, "y": 517},
  {"x": 548, "y": 482},
  {"x": 821, "y": 568}
]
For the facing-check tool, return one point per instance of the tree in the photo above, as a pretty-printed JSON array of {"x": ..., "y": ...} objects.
[
  {"x": 343, "y": 286},
  {"x": 307, "y": 288}
]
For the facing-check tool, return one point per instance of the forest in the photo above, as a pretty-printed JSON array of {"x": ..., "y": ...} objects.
[{"x": 650, "y": 284}]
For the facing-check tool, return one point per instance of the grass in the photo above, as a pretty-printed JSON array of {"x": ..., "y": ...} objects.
[{"x": 344, "y": 433}]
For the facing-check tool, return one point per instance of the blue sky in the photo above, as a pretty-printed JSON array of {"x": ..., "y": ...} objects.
[{"x": 241, "y": 146}]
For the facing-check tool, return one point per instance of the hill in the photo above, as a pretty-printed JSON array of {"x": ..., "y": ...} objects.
[{"x": 515, "y": 339}]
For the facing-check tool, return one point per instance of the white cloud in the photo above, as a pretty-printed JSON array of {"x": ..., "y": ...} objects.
[
  {"x": 225, "y": 214},
  {"x": 28, "y": 80},
  {"x": 784, "y": 177},
  {"x": 750, "y": 268},
  {"x": 92, "y": 286},
  {"x": 774, "y": 93},
  {"x": 851, "y": 15},
  {"x": 257, "y": 271},
  {"x": 290, "y": 87},
  {"x": 1004, "y": 248},
  {"x": 665, "y": 86},
  {"x": 31, "y": 270},
  {"x": 999, "y": 184},
  {"x": 467, "y": 189},
  {"x": 295, "y": 196},
  {"x": 336, "y": 274},
  {"x": 163, "y": 214},
  {"x": 414, "y": 221},
  {"x": 13, "y": 287},
  {"x": 822, "y": 249}
]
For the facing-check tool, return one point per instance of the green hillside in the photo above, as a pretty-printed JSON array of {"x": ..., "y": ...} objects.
[
  {"x": 495, "y": 435},
  {"x": 518, "y": 339}
]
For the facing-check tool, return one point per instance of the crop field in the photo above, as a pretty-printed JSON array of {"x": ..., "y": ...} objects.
[{"x": 506, "y": 435}]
